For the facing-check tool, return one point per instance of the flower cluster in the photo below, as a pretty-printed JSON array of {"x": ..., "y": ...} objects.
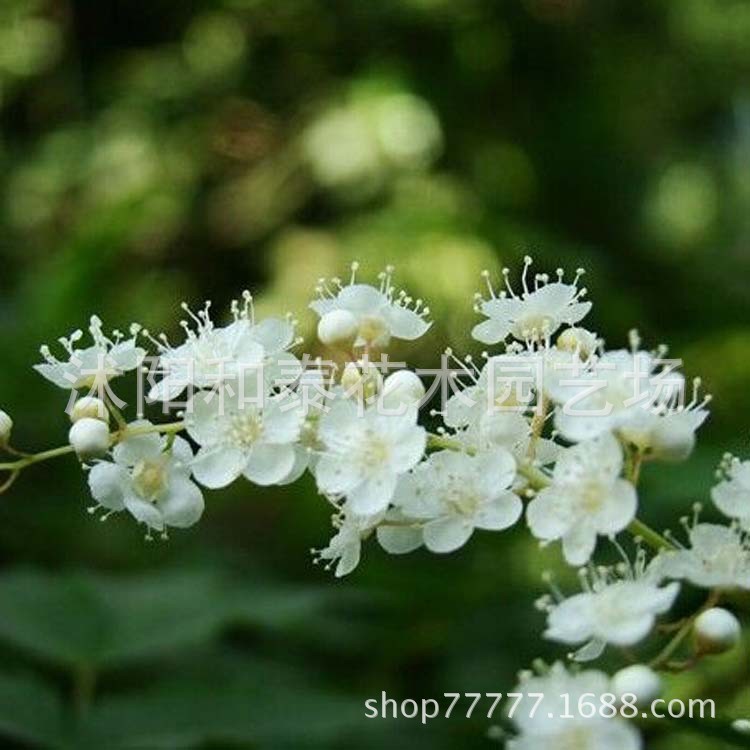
[{"x": 549, "y": 430}]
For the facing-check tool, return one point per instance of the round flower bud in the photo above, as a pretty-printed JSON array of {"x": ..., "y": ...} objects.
[
  {"x": 337, "y": 327},
  {"x": 89, "y": 437},
  {"x": 577, "y": 339},
  {"x": 89, "y": 407},
  {"x": 715, "y": 631},
  {"x": 672, "y": 440},
  {"x": 402, "y": 387},
  {"x": 6, "y": 427},
  {"x": 638, "y": 680}
]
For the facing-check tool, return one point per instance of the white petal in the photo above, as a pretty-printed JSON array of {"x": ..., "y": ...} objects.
[
  {"x": 491, "y": 331},
  {"x": 126, "y": 355},
  {"x": 183, "y": 504},
  {"x": 571, "y": 621},
  {"x": 592, "y": 650},
  {"x": 618, "y": 510},
  {"x": 55, "y": 374},
  {"x": 138, "y": 447},
  {"x": 268, "y": 464},
  {"x": 218, "y": 466},
  {"x": 578, "y": 544},
  {"x": 446, "y": 534},
  {"x": 372, "y": 495},
  {"x": 335, "y": 476},
  {"x": 548, "y": 515},
  {"x": 182, "y": 453},
  {"x": 499, "y": 513},
  {"x": 203, "y": 420},
  {"x": 144, "y": 512},
  {"x": 107, "y": 482},
  {"x": 169, "y": 387},
  {"x": 274, "y": 334},
  {"x": 361, "y": 299},
  {"x": 405, "y": 324},
  {"x": 281, "y": 421},
  {"x": 399, "y": 540}
]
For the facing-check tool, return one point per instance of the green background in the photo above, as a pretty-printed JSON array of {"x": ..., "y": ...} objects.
[{"x": 154, "y": 152}]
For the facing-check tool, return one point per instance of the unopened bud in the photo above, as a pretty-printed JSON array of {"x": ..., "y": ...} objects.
[
  {"x": 337, "y": 327},
  {"x": 638, "y": 680},
  {"x": 6, "y": 427},
  {"x": 402, "y": 387},
  {"x": 89, "y": 438},
  {"x": 715, "y": 631},
  {"x": 577, "y": 339},
  {"x": 89, "y": 407}
]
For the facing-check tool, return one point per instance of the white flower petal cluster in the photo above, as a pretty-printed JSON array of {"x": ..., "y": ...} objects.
[
  {"x": 94, "y": 365},
  {"x": 452, "y": 493},
  {"x": 535, "y": 313},
  {"x": 616, "y": 607},
  {"x": 632, "y": 394},
  {"x": 717, "y": 557},
  {"x": 556, "y": 722},
  {"x": 211, "y": 355},
  {"x": 244, "y": 430},
  {"x": 364, "y": 452},
  {"x": 150, "y": 477},
  {"x": 373, "y": 315},
  {"x": 732, "y": 494},
  {"x": 587, "y": 498}
]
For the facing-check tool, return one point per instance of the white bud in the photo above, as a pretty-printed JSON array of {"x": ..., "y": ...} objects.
[
  {"x": 638, "y": 680},
  {"x": 577, "y": 339},
  {"x": 337, "y": 327},
  {"x": 741, "y": 725},
  {"x": 6, "y": 427},
  {"x": 402, "y": 387},
  {"x": 673, "y": 439},
  {"x": 89, "y": 438},
  {"x": 89, "y": 407},
  {"x": 716, "y": 630}
]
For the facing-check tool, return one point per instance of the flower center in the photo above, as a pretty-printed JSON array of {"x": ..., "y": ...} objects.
[
  {"x": 371, "y": 328},
  {"x": 150, "y": 478},
  {"x": 246, "y": 428},
  {"x": 591, "y": 497},
  {"x": 463, "y": 501}
]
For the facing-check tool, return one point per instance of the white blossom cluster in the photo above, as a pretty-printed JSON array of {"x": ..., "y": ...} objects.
[{"x": 559, "y": 452}]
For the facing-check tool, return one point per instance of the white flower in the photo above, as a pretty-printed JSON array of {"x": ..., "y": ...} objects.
[
  {"x": 89, "y": 438},
  {"x": 556, "y": 721},
  {"x": 536, "y": 313},
  {"x": 718, "y": 556},
  {"x": 616, "y": 607},
  {"x": 345, "y": 547},
  {"x": 364, "y": 453},
  {"x": 380, "y": 313},
  {"x": 149, "y": 479},
  {"x": 242, "y": 430},
  {"x": 625, "y": 391},
  {"x": 732, "y": 494},
  {"x": 93, "y": 365},
  {"x": 587, "y": 498},
  {"x": 453, "y": 493},
  {"x": 6, "y": 428},
  {"x": 212, "y": 355}
]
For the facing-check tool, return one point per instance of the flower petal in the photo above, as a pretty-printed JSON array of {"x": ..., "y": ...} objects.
[
  {"x": 108, "y": 482},
  {"x": 447, "y": 534},
  {"x": 269, "y": 464},
  {"x": 218, "y": 466},
  {"x": 183, "y": 504}
]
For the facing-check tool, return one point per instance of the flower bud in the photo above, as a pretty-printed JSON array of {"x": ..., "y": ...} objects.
[
  {"x": 337, "y": 327},
  {"x": 89, "y": 407},
  {"x": 715, "y": 631},
  {"x": 638, "y": 680},
  {"x": 89, "y": 438},
  {"x": 6, "y": 427},
  {"x": 402, "y": 387},
  {"x": 577, "y": 339},
  {"x": 365, "y": 381}
]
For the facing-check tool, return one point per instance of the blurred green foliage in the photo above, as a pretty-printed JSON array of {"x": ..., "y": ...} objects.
[{"x": 155, "y": 151}]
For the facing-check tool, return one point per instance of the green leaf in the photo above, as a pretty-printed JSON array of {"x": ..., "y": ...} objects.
[
  {"x": 30, "y": 711},
  {"x": 232, "y": 701}
]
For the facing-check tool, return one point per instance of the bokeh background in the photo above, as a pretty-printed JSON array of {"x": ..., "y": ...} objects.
[{"x": 155, "y": 151}]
